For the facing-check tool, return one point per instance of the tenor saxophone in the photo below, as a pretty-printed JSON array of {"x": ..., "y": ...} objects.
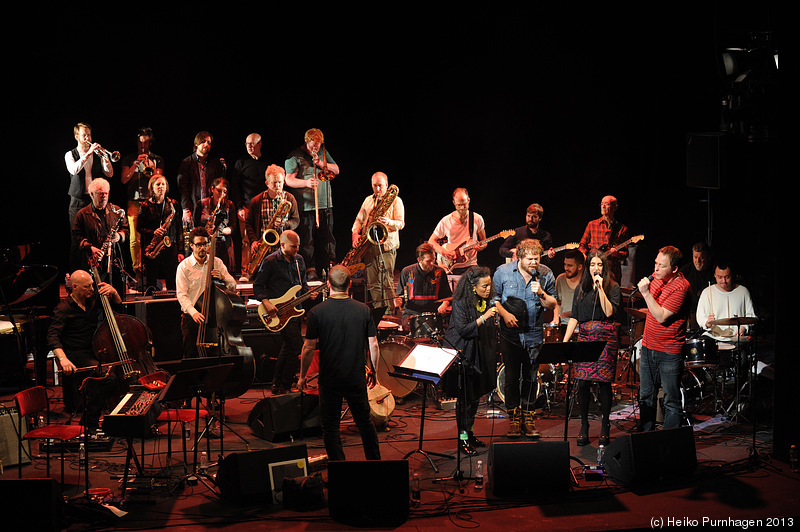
[
  {"x": 373, "y": 231},
  {"x": 158, "y": 244},
  {"x": 270, "y": 237}
]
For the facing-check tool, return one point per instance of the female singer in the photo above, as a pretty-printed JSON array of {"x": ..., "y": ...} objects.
[
  {"x": 594, "y": 310},
  {"x": 472, "y": 331},
  {"x": 152, "y": 224}
]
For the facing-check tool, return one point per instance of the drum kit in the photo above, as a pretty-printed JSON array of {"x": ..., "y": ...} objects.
[{"x": 715, "y": 372}]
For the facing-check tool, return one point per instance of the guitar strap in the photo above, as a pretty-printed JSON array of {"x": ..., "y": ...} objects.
[{"x": 471, "y": 223}]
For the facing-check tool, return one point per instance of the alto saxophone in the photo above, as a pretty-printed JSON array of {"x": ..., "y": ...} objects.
[
  {"x": 158, "y": 244},
  {"x": 270, "y": 237},
  {"x": 373, "y": 231}
]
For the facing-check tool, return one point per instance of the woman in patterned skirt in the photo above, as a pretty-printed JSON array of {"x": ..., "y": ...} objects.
[{"x": 594, "y": 313}]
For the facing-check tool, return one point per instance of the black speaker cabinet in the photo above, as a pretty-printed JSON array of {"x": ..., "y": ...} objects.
[
  {"x": 35, "y": 502},
  {"x": 9, "y": 445},
  {"x": 276, "y": 418},
  {"x": 519, "y": 470},
  {"x": 644, "y": 457},
  {"x": 707, "y": 160},
  {"x": 371, "y": 493},
  {"x": 251, "y": 477},
  {"x": 163, "y": 318}
]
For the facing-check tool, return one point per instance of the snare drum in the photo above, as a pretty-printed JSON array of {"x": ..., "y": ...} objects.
[
  {"x": 700, "y": 352},
  {"x": 432, "y": 319},
  {"x": 552, "y": 333}
]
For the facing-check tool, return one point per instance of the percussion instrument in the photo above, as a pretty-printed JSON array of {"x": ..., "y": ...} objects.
[
  {"x": 393, "y": 351},
  {"x": 432, "y": 319},
  {"x": 700, "y": 352}
]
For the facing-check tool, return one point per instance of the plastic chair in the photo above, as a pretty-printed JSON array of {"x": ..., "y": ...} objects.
[{"x": 29, "y": 403}]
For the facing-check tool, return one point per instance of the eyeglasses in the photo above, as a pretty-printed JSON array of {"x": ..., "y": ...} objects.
[{"x": 201, "y": 244}]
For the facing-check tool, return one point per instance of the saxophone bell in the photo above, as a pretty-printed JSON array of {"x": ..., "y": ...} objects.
[{"x": 377, "y": 233}]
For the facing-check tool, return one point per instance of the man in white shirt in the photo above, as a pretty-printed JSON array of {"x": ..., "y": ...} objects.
[
  {"x": 725, "y": 299},
  {"x": 189, "y": 286},
  {"x": 86, "y": 162}
]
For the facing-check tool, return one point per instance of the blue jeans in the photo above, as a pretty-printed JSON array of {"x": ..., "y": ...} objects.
[{"x": 660, "y": 370}]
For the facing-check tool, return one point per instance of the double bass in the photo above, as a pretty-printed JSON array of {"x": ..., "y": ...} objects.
[
  {"x": 220, "y": 334},
  {"x": 123, "y": 344}
]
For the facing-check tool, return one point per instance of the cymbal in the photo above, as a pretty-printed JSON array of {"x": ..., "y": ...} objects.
[
  {"x": 636, "y": 313},
  {"x": 744, "y": 320}
]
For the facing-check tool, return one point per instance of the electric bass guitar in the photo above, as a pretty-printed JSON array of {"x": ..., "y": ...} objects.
[
  {"x": 571, "y": 245},
  {"x": 463, "y": 251},
  {"x": 286, "y": 307}
]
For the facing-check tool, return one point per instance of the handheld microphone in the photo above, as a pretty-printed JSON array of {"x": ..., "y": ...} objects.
[{"x": 649, "y": 278}]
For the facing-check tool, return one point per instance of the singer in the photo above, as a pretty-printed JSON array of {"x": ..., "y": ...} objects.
[
  {"x": 668, "y": 296},
  {"x": 524, "y": 289},
  {"x": 472, "y": 331},
  {"x": 594, "y": 310}
]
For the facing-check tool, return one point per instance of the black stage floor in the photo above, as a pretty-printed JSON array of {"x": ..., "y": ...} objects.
[{"x": 733, "y": 480}]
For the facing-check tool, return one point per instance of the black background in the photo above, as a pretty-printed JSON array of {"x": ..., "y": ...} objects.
[{"x": 556, "y": 106}]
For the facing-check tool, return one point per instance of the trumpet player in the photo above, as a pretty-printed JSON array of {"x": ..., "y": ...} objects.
[
  {"x": 137, "y": 169},
  {"x": 309, "y": 170},
  {"x": 380, "y": 221},
  {"x": 84, "y": 163},
  {"x": 98, "y": 230},
  {"x": 262, "y": 211},
  {"x": 159, "y": 223}
]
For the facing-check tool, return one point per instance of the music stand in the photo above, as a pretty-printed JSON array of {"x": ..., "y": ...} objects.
[
  {"x": 194, "y": 383},
  {"x": 425, "y": 364},
  {"x": 204, "y": 362},
  {"x": 569, "y": 353}
]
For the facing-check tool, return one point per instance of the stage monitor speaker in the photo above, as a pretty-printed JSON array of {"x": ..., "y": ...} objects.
[
  {"x": 368, "y": 493},
  {"x": 249, "y": 477},
  {"x": 644, "y": 457},
  {"x": 517, "y": 469},
  {"x": 33, "y": 503},
  {"x": 276, "y": 418},
  {"x": 9, "y": 445},
  {"x": 706, "y": 160}
]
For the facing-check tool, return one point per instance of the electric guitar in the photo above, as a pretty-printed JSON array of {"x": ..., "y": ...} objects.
[
  {"x": 631, "y": 240},
  {"x": 571, "y": 245},
  {"x": 286, "y": 307},
  {"x": 462, "y": 250}
]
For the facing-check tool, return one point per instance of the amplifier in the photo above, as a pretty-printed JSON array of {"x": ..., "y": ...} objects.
[{"x": 9, "y": 444}]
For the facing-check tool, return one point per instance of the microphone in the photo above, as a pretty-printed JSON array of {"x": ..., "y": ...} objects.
[
  {"x": 427, "y": 330},
  {"x": 649, "y": 278}
]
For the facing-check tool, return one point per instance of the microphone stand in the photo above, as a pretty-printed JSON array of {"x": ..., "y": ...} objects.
[{"x": 458, "y": 474}]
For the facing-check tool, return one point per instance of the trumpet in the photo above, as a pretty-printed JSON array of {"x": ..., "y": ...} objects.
[
  {"x": 145, "y": 166},
  {"x": 102, "y": 152}
]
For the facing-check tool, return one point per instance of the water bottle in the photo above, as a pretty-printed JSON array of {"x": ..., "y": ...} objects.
[
  {"x": 479, "y": 476},
  {"x": 187, "y": 433},
  {"x": 203, "y": 462},
  {"x": 415, "y": 491},
  {"x": 82, "y": 453},
  {"x": 600, "y": 452}
]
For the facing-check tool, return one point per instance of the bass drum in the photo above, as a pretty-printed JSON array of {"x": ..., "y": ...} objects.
[
  {"x": 393, "y": 350},
  {"x": 693, "y": 384},
  {"x": 501, "y": 383}
]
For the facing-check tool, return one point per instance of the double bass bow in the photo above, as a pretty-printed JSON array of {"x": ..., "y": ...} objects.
[{"x": 220, "y": 333}]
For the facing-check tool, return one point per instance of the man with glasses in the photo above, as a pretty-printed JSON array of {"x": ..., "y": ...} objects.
[
  {"x": 189, "y": 286},
  {"x": 460, "y": 226}
]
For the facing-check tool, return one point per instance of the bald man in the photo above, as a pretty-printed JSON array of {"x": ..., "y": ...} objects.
[
  {"x": 381, "y": 288},
  {"x": 605, "y": 234},
  {"x": 72, "y": 329},
  {"x": 247, "y": 180},
  {"x": 280, "y": 271}
]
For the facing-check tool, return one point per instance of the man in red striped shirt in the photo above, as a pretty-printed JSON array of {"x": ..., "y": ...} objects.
[{"x": 667, "y": 295}]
